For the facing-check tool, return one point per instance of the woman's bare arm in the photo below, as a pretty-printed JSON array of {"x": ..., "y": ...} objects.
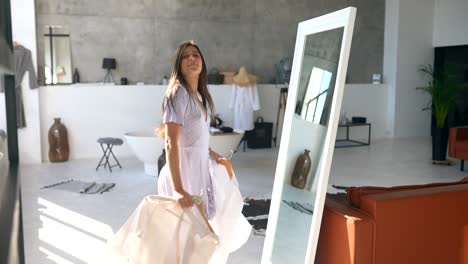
[{"x": 172, "y": 131}]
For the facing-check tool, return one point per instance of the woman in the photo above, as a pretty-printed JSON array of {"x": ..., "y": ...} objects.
[{"x": 187, "y": 107}]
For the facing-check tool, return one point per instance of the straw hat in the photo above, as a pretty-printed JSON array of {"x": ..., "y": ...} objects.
[{"x": 243, "y": 78}]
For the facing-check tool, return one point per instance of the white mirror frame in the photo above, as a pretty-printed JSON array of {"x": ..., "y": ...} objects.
[{"x": 340, "y": 19}]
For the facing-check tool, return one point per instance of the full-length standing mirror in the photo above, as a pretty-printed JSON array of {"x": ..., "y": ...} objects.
[{"x": 308, "y": 138}]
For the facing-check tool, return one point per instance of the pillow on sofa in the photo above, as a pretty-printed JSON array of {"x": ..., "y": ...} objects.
[{"x": 355, "y": 193}]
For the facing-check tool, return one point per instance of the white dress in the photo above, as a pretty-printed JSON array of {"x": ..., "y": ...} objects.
[{"x": 193, "y": 150}]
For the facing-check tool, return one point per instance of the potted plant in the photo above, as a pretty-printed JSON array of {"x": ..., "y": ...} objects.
[{"x": 442, "y": 86}]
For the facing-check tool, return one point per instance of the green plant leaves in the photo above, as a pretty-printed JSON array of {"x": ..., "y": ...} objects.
[{"x": 442, "y": 86}]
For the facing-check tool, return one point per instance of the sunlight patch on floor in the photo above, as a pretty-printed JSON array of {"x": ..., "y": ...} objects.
[
  {"x": 73, "y": 234},
  {"x": 54, "y": 257}
]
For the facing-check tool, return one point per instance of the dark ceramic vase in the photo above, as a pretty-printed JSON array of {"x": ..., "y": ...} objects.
[
  {"x": 161, "y": 160},
  {"x": 301, "y": 170},
  {"x": 76, "y": 76},
  {"x": 59, "y": 149}
]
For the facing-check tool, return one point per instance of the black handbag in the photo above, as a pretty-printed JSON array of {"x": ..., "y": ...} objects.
[{"x": 260, "y": 136}]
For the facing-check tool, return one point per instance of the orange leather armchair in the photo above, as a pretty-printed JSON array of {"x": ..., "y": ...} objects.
[
  {"x": 419, "y": 224},
  {"x": 458, "y": 144}
]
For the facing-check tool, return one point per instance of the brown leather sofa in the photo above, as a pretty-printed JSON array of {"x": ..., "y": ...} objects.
[
  {"x": 458, "y": 144},
  {"x": 398, "y": 225}
]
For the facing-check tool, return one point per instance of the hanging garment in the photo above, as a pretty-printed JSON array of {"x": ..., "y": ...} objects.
[
  {"x": 23, "y": 64},
  {"x": 161, "y": 231},
  {"x": 231, "y": 227},
  {"x": 244, "y": 101}
]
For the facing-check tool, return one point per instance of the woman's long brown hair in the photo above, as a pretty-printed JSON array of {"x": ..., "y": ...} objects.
[{"x": 177, "y": 79}]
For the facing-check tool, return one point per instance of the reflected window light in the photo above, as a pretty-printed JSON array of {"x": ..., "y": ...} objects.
[{"x": 317, "y": 90}]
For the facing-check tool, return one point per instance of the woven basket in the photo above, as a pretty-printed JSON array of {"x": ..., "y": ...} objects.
[
  {"x": 228, "y": 77},
  {"x": 215, "y": 78}
]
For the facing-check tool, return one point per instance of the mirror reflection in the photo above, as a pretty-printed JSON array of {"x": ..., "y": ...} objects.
[
  {"x": 57, "y": 55},
  {"x": 305, "y": 149}
]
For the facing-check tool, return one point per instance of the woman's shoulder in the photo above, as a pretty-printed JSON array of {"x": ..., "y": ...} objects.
[
  {"x": 180, "y": 90},
  {"x": 178, "y": 95},
  {"x": 181, "y": 94}
]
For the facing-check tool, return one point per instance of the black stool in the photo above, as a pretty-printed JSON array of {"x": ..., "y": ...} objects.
[{"x": 107, "y": 151}]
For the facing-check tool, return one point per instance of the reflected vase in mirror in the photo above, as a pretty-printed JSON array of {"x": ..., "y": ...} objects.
[
  {"x": 59, "y": 149},
  {"x": 76, "y": 76},
  {"x": 301, "y": 170}
]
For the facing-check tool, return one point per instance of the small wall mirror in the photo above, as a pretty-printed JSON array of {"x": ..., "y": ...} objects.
[
  {"x": 57, "y": 55},
  {"x": 308, "y": 137}
]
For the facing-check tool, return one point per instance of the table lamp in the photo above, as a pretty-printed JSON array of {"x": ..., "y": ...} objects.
[{"x": 109, "y": 64}]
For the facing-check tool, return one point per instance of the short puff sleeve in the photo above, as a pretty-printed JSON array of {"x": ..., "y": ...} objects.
[{"x": 175, "y": 111}]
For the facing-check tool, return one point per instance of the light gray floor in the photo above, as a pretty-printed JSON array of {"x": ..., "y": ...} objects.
[{"x": 65, "y": 227}]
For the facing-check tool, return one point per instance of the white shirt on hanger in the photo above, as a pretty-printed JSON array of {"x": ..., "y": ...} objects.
[{"x": 244, "y": 101}]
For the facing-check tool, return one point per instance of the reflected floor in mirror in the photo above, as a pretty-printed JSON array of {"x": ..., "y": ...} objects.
[
  {"x": 80, "y": 224},
  {"x": 294, "y": 221}
]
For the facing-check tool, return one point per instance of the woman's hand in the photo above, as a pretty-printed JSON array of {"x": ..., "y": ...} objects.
[
  {"x": 215, "y": 156},
  {"x": 227, "y": 164},
  {"x": 186, "y": 200}
]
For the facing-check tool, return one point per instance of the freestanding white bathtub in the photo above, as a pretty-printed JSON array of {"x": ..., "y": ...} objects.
[
  {"x": 147, "y": 147},
  {"x": 226, "y": 144}
]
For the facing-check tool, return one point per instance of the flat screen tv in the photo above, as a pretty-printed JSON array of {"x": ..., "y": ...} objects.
[{"x": 457, "y": 56}]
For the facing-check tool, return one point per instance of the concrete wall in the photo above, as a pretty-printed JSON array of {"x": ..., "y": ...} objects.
[
  {"x": 321, "y": 50},
  {"x": 450, "y": 21},
  {"x": 142, "y": 35}
]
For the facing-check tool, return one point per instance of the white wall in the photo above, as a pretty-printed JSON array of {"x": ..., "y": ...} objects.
[
  {"x": 24, "y": 32},
  {"x": 390, "y": 60},
  {"x": 412, "y": 29},
  {"x": 450, "y": 22},
  {"x": 92, "y": 111},
  {"x": 269, "y": 97},
  {"x": 408, "y": 44},
  {"x": 97, "y": 111},
  {"x": 414, "y": 48},
  {"x": 370, "y": 101}
]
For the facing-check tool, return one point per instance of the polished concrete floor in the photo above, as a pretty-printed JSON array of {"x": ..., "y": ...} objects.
[{"x": 61, "y": 226}]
